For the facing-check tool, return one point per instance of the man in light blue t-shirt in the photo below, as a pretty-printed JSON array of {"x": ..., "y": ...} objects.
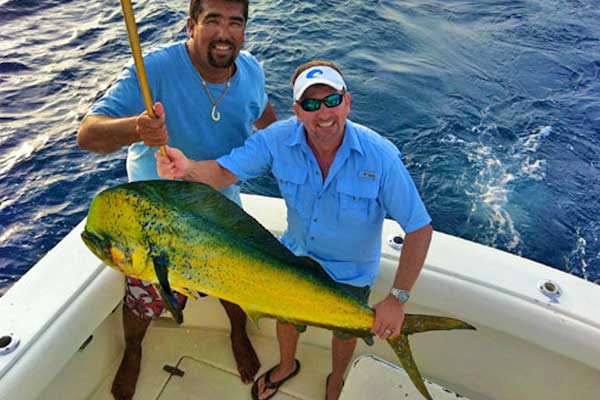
[
  {"x": 209, "y": 94},
  {"x": 339, "y": 180}
]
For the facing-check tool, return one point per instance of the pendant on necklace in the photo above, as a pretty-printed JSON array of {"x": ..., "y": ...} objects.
[{"x": 215, "y": 115}]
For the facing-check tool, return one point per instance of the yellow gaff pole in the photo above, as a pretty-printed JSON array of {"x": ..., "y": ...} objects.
[{"x": 136, "y": 50}]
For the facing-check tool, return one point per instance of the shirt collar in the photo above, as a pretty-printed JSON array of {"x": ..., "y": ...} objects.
[
  {"x": 298, "y": 137},
  {"x": 351, "y": 138}
]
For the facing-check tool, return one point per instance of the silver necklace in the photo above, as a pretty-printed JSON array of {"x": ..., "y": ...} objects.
[{"x": 215, "y": 115}]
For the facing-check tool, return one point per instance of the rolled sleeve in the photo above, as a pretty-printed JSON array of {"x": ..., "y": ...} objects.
[
  {"x": 401, "y": 199},
  {"x": 251, "y": 160}
]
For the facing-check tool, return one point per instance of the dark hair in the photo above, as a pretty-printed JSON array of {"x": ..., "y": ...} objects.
[
  {"x": 196, "y": 8},
  {"x": 315, "y": 63}
]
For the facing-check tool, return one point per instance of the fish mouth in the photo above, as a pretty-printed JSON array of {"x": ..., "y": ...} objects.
[
  {"x": 98, "y": 246},
  {"x": 90, "y": 239}
]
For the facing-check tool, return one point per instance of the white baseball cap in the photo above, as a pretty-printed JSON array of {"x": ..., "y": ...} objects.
[{"x": 318, "y": 75}]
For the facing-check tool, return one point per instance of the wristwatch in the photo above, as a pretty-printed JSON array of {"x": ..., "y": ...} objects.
[{"x": 400, "y": 294}]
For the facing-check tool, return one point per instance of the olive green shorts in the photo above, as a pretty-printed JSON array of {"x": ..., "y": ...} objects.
[{"x": 361, "y": 293}]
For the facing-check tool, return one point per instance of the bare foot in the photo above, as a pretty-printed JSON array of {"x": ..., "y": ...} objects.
[
  {"x": 124, "y": 383},
  {"x": 245, "y": 357}
]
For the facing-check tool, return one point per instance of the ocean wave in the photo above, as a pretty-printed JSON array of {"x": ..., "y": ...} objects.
[{"x": 494, "y": 105}]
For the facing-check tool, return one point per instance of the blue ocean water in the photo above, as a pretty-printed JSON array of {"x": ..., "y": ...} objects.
[{"x": 495, "y": 105}]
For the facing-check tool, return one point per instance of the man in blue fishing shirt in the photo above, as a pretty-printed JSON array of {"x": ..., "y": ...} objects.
[
  {"x": 339, "y": 180},
  {"x": 208, "y": 95}
]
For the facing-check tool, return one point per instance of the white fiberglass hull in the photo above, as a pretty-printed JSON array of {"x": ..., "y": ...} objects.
[{"x": 525, "y": 347}]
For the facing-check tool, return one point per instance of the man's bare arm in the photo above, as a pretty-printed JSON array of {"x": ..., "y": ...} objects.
[
  {"x": 211, "y": 173},
  {"x": 104, "y": 134},
  {"x": 389, "y": 313},
  {"x": 267, "y": 118},
  {"x": 412, "y": 258},
  {"x": 177, "y": 166}
]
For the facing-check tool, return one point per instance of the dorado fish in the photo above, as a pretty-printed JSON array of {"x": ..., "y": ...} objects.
[{"x": 187, "y": 237}]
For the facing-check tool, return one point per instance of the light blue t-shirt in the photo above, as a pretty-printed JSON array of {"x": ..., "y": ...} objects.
[
  {"x": 337, "y": 222},
  {"x": 175, "y": 83}
]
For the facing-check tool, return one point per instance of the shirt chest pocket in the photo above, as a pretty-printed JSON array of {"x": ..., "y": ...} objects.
[
  {"x": 291, "y": 184},
  {"x": 356, "y": 200}
]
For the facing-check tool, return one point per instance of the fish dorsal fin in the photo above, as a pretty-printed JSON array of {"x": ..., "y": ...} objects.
[
  {"x": 201, "y": 204},
  {"x": 310, "y": 262},
  {"x": 312, "y": 266}
]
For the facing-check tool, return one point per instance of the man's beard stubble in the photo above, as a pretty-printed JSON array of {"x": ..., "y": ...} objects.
[{"x": 225, "y": 62}]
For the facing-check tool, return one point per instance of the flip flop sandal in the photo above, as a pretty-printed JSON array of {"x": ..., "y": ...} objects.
[{"x": 272, "y": 385}]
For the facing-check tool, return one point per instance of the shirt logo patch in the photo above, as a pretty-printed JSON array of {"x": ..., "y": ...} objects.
[{"x": 368, "y": 175}]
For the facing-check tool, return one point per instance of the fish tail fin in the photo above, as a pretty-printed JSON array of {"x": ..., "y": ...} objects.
[
  {"x": 415, "y": 323},
  {"x": 401, "y": 347}
]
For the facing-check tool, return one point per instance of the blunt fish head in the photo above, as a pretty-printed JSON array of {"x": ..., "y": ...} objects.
[
  {"x": 113, "y": 233},
  {"x": 98, "y": 245},
  {"x": 114, "y": 254}
]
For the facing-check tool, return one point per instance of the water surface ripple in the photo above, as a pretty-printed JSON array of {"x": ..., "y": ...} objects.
[{"x": 494, "y": 104}]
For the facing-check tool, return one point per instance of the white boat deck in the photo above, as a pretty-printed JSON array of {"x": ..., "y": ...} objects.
[
  {"x": 209, "y": 370},
  {"x": 526, "y": 346},
  {"x": 204, "y": 356}
]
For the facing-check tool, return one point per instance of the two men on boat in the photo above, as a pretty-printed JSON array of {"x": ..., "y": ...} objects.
[
  {"x": 339, "y": 180},
  {"x": 213, "y": 94}
]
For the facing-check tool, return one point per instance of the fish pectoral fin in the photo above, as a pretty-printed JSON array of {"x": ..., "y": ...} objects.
[
  {"x": 368, "y": 339},
  {"x": 416, "y": 323},
  {"x": 254, "y": 316},
  {"x": 164, "y": 288},
  {"x": 401, "y": 347}
]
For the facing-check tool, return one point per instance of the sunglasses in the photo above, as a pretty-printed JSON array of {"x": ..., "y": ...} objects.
[{"x": 331, "y": 101}]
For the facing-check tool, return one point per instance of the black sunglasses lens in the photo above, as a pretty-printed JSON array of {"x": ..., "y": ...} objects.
[
  {"x": 330, "y": 101},
  {"x": 310, "y": 104},
  {"x": 334, "y": 100}
]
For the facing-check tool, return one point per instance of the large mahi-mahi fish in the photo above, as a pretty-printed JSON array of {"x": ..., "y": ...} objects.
[{"x": 188, "y": 237}]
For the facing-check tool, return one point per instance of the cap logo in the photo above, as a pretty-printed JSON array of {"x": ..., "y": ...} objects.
[{"x": 314, "y": 73}]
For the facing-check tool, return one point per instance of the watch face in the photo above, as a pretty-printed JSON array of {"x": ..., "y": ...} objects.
[{"x": 401, "y": 295}]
